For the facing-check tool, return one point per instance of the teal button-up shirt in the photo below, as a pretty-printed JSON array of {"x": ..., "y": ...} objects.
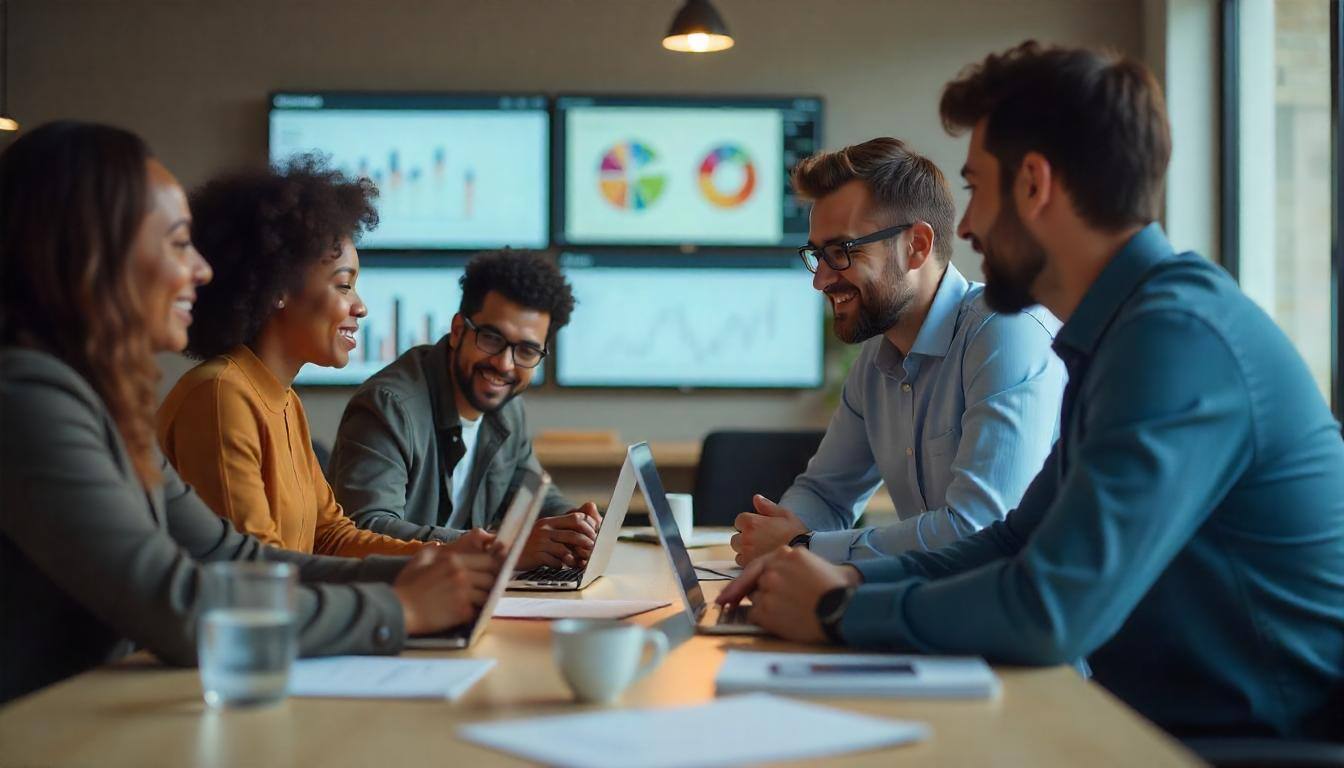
[
  {"x": 1186, "y": 535},
  {"x": 956, "y": 429}
]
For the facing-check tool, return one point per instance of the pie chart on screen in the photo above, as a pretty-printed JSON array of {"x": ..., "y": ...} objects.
[
  {"x": 727, "y": 176},
  {"x": 629, "y": 178}
]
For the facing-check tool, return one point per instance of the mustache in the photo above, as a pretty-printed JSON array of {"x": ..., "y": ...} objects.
[
  {"x": 487, "y": 368},
  {"x": 840, "y": 287}
]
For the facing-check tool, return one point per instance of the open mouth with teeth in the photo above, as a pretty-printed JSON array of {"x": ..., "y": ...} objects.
[
  {"x": 348, "y": 336},
  {"x": 495, "y": 381},
  {"x": 841, "y": 298}
]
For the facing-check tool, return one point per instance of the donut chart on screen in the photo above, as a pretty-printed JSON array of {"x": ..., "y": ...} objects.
[
  {"x": 628, "y": 176},
  {"x": 731, "y": 159}
]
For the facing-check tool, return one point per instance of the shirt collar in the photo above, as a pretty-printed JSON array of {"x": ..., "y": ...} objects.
[
  {"x": 940, "y": 325},
  {"x": 1112, "y": 288},
  {"x": 273, "y": 394}
]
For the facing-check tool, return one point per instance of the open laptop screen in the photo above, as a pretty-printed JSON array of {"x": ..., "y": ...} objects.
[{"x": 661, "y": 515}]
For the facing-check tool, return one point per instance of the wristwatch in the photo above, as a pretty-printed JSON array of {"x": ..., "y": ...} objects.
[
  {"x": 831, "y": 609},
  {"x": 803, "y": 539}
]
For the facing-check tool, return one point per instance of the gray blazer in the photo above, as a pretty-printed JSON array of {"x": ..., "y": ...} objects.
[
  {"x": 91, "y": 564},
  {"x": 399, "y": 439}
]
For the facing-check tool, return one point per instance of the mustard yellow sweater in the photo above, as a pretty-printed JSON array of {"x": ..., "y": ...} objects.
[{"x": 241, "y": 439}]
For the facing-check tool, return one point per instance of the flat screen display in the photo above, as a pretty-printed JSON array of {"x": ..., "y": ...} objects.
[
  {"x": 453, "y": 171},
  {"x": 669, "y": 320},
  {"x": 688, "y": 171}
]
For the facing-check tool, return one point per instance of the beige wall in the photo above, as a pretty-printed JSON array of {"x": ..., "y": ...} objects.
[{"x": 192, "y": 76}]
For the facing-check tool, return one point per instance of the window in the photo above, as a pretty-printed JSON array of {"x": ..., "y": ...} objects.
[{"x": 1280, "y": 230}]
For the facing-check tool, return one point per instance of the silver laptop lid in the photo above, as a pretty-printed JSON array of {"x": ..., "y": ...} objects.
[
  {"x": 518, "y": 520},
  {"x": 660, "y": 514},
  {"x": 611, "y": 522}
]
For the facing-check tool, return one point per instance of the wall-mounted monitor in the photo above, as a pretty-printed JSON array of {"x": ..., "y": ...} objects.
[
  {"x": 408, "y": 303},
  {"x": 643, "y": 170},
  {"x": 453, "y": 171},
  {"x": 712, "y": 320}
]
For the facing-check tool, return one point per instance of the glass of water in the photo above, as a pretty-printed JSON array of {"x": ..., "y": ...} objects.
[{"x": 247, "y": 638}]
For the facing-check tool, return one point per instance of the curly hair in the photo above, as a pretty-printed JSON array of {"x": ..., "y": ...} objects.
[
  {"x": 523, "y": 277},
  {"x": 72, "y": 199},
  {"x": 1097, "y": 116},
  {"x": 261, "y": 230}
]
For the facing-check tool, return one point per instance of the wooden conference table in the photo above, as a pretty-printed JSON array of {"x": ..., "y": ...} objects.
[{"x": 138, "y": 713}]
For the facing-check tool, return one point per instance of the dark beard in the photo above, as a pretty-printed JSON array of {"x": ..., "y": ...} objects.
[
  {"x": 892, "y": 297},
  {"x": 462, "y": 379},
  {"x": 1008, "y": 279}
]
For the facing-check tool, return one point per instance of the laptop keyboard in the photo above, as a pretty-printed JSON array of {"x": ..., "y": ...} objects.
[
  {"x": 547, "y": 574},
  {"x": 733, "y": 613}
]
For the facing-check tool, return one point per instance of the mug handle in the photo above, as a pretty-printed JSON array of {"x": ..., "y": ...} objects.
[{"x": 659, "y": 642}]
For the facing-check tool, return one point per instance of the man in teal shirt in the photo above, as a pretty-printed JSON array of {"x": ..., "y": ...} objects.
[{"x": 1186, "y": 534}]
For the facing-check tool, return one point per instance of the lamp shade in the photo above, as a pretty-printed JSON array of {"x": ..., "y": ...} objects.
[{"x": 697, "y": 28}]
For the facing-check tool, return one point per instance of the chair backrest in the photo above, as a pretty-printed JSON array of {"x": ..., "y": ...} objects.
[{"x": 735, "y": 465}]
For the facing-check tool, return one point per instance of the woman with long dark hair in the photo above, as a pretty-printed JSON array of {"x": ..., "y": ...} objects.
[{"x": 100, "y": 541}]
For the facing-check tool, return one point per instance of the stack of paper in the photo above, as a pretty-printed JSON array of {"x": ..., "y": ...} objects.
[
  {"x": 698, "y": 538},
  {"x": 822, "y": 674},
  {"x": 734, "y": 731},
  {"x": 386, "y": 677},
  {"x": 717, "y": 570},
  {"x": 559, "y": 608}
]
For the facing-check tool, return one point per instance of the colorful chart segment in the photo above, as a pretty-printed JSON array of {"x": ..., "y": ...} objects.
[
  {"x": 727, "y": 155},
  {"x": 627, "y": 179}
]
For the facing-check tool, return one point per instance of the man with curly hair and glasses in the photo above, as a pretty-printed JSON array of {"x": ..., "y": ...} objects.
[
  {"x": 952, "y": 405},
  {"x": 430, "y": 447}
]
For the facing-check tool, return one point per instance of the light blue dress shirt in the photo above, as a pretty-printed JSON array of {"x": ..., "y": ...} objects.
[
  {"x": 956, "y": 429},
  {"x": 1186, "y": 534}
]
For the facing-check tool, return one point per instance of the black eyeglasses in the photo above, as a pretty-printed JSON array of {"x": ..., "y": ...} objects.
[
  {"x": 492, "y": 342},
  {"x": 837, "y": 255}
]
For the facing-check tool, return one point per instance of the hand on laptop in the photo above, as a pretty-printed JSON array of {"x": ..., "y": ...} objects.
[
  {"x": 765, "y": 530},
  {"x": 784, "y": 587},
  {"x": 474, "y": 541},
  {"x": 565, "y": 541},
  {"x": 439, "y": 589}
]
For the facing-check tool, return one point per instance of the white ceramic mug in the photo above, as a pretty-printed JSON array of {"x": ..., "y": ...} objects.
[
  {"x": 600, "y": 658},
  {"x": 683, "y": 512}
]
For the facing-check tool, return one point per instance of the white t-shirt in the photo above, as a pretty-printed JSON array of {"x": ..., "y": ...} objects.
[{"x": 463, "y": 469}]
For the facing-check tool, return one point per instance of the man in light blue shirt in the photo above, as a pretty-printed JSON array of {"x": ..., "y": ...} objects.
[
  {"x": 1186, "y": 534},
  {"x": 951, "y": 405}
]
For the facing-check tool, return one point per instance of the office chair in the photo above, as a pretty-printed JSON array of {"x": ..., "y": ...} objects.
[{"x": 735, "y": 465}]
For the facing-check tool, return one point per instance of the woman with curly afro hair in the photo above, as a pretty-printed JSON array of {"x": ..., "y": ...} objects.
[{"x": 281, "y": 243}]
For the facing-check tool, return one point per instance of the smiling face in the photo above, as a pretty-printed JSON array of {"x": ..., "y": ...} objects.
[
  {"x": 318, "y": 324},
  {"x": 168, "y": 267},
  {"x": 1012, "y": 258},
  {"x": 871, "y": 295},
  {"x": 485, "y": 382}
]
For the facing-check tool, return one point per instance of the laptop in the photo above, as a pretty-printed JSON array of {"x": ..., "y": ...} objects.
[
  {"x": 706, "y": 618},
  {"x": 567, "y": 579},
  {"x": 518, "y": 520}
]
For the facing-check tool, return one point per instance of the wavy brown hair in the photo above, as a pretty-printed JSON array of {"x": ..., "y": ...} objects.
[{"x": 72, "y": 199}]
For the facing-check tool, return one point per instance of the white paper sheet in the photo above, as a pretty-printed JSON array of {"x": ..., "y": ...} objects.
[
  {"x": 852, "y": 674},
  {"x": 742, "y": 729},
  {"x": 384, "y": 677},
  {"x": 698, "y": 538},
  {"x": 551, "y": 608},
  {"x": 718, "y": 570}
]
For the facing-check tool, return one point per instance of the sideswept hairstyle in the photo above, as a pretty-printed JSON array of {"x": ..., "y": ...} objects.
[
  {"x": 905, "y": 184},
  {"x": 1098, "y": 117},
  {"x": 73, "y": 197}
]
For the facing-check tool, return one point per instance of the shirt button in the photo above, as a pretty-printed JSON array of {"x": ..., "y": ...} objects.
[
  {"x": 382, "y": 636},
  {"x": 909, "y": 451},
  {"x": 905, "y": 387}
]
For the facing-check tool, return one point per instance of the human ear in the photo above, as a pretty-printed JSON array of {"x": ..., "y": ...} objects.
[
  {"x": 1034, "y": 185},
  {"x": 920, "y": 245}
]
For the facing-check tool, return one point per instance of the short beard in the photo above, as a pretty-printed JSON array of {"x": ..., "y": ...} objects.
[
  {"x": 462, "y": 379},
  {"x": 1013, "y": 261},
  {"x": 892, "y": 296}
]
